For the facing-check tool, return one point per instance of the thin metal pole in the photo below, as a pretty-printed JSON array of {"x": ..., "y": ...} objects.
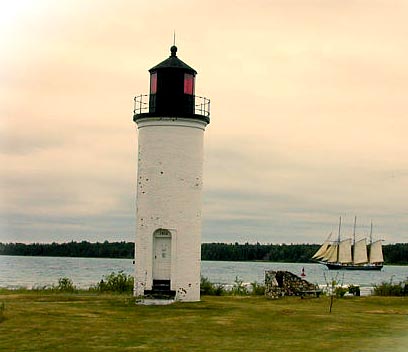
[
  {"x": 354, "y": 238},
  {"x": 354, "y": 231},
  {"x": 338, "y": 241}
]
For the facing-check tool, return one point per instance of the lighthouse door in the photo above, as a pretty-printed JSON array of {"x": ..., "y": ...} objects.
[{"x": 161, "y": 254}]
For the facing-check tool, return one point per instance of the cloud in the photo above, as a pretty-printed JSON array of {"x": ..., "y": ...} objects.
[
  {"x": 271, "y": 186},
  {"x": 308, "y": 115}
]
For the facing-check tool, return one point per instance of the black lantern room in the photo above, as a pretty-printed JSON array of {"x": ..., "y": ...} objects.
[{"x": 172, "y": 92}]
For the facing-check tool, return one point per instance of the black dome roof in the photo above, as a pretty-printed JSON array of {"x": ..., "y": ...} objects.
[{"x": 173, "y": 62}]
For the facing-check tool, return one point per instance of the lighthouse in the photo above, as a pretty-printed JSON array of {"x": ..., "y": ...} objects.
[{"x": 171, "y": 121}]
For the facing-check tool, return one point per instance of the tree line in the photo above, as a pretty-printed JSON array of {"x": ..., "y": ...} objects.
[
  {"x": 71, "y": 249},
  {"x": 289, "y": 253}
]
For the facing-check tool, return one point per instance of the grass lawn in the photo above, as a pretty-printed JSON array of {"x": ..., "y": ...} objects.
[{"x": 34, "y": 321}]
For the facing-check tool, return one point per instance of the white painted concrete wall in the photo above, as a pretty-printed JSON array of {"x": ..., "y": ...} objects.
[{"x": 169, "y": 196}]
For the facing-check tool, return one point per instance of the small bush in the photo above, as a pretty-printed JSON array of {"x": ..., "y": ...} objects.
[
  {"x": 65, "y": 284},
  {"x": 239, "y": 288},
  {"x": 219, "y": 289},
  {"x": 115, "y": 283},
  {"x": 207, "y": 288},
  {"x": 354, "y": 290},
  {"x": 340, "y": 291},
  {"x": 257, "y": 289},
  {"x": 391, "y": 289}
]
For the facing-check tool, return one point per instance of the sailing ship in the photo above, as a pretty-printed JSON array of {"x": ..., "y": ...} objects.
[{"x": 349, "y": 254}]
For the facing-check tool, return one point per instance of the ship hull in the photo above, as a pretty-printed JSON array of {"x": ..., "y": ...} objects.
[{"x": 338, "y": 266}]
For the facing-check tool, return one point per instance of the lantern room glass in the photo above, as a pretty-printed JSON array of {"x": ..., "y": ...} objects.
[
  {"x": 153, "y": 83},
  {"x": 188, "y": 84}
]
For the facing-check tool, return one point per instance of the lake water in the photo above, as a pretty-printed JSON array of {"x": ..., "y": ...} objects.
[{"x": 29, "y": 272}]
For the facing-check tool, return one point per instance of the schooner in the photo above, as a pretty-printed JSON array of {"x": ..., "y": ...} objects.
[{"x": 349, "y": 254}]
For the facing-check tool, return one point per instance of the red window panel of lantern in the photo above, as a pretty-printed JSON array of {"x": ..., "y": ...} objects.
[
  {"x": 153, "y": 83},
  {"x": 188, "y": 84}
]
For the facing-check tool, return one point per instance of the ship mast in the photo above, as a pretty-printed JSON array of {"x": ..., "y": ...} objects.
[
  {"x": 354, "y": 230},
  {"x": 371, "y": 242},
  {"x": 338, "y": 241},
  {"x": 354, "y": 237}
]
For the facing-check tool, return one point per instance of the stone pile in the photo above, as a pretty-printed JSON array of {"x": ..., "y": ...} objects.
[{"x": 284, "y": 283}]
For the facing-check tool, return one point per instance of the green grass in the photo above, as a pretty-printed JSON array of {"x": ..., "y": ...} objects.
[{"x": 41, "y": 321}]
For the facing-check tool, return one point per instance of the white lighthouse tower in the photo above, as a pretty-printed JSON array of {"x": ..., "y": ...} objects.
[{"x": 169, "y": 183}]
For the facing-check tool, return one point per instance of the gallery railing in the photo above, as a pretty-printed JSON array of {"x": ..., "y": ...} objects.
[{"x": 141, "y": 105}]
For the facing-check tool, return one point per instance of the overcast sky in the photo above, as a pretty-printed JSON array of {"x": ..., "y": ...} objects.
[{"x": 309, "y": 115}]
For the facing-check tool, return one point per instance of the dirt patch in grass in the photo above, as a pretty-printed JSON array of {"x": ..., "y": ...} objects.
[{"x": 386, "y": 312}]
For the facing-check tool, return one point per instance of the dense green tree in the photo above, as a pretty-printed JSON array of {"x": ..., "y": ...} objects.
[
  {"x": 71, "y": 249},
  {"x": 291, "y": 253}
]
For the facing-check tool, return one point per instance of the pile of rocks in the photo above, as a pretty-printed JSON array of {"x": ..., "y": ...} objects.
[{"x": 284, "y": 283}]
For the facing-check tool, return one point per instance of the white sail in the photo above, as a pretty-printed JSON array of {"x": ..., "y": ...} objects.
[
  {"x": 322, "y": 257},
  {"x": 360, "y": 252},
  {"x": 331, "y": 254},
  {"x": 322, "y": 250},
  {"x": 345, "y": 251},
  {"x": 326, "y": 254},
  {"x": 376, "y": 254}
]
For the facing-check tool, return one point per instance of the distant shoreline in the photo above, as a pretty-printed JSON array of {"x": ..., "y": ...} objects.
[{"x": 394, "y": 254}]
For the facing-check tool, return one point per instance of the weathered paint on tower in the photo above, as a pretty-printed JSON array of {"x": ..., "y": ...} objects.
[{"x": 169, "y": 183}]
